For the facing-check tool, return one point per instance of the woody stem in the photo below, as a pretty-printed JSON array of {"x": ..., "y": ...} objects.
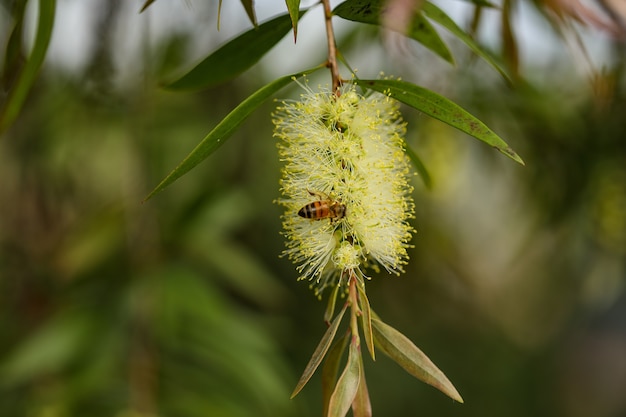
[{"x": 332, "y": 48}]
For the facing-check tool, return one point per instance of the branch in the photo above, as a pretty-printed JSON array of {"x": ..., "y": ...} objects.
[{"x": 332, "y": 48}]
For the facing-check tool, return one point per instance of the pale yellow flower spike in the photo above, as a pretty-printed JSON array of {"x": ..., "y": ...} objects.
[{"x": 344, "y": 184}]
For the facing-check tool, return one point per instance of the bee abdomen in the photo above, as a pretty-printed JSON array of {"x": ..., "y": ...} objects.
[{"x": 312, "y": 210}]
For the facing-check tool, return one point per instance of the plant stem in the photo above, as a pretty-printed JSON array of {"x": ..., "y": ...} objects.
[
  {"x": 332, "y": 48},
  {"x": 354, "y": 309}
]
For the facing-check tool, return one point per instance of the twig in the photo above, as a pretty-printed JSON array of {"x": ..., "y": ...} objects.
[{"x": 332, "y": 48}]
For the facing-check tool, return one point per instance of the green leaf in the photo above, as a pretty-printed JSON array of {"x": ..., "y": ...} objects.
[
  {"x": 366, "y": 319},
  {"x": 347, "y": 385},
  {"x": 225, "y": 129},
  {"x": 423, "y": 32},
  {"x": 510, "y": 49},
  {"x": 234, "y": 57},
  {"x": 368, "y": 11},
  {"x": 436, "y": 14},
  {"x": 330, "y": 307},
  {"x": 146, "y": 5},
  {"x": 419, "y": 167},
  {"x": 319, "y": 353},
  {"x": 362, "y": 406},
  {"x": 26, "y": 79},
  {"x": 442, "y": 109},
  {"x": 483, "y": 3},
  {"x": 249, "y": 6},
  {"x": 49, "y": 349},
  {"x": 364, "y": 11},
  {"x": 399, "y": 348},
  {"x": 219, "y": 14},
  {"x": 294, "y": 12},
  {"x": 13, "y": 51},
  {"x": 330, "y": 369}
]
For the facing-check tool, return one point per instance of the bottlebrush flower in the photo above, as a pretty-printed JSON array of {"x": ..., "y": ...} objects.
[{"x": 344, "y": 184}]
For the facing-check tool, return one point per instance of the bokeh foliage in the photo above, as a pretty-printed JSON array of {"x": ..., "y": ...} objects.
[{"x": 181, "y": 306}]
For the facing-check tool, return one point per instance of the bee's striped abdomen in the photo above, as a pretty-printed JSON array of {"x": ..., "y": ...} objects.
[
  {"x": 322, "y": 209},
  {"x": 315, "y": 210}
]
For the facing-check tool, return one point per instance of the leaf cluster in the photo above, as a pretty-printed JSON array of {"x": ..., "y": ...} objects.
[
  {"x": 242, "y": 52},
  {"x": 350, "y": 389}
]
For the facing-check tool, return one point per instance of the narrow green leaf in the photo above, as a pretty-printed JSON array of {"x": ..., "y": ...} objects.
[
  {"x": 294, "y": 11},
  {"x": 362, "y": 406},
  {"x": 366, "y": 319},
  {"x": 330, "y": 307},
  {"x": 234, "y": 57},
  {"x": 225, "y": 129},
  {"x": 319, "y": 353},
  {"x": 347, "y": 385},
  {"x": 509, "y": 43},
  {"x": 474, "y": 24},
  {"x": 442, "y": 109},
  {"x": 219, "y": 14},
  {"x": 423, "y": 32},
  {"x": 419, "y": 167},
  {"x": 330, "y": 369},
  {"x": 26, "y": 78},
  {"x": 483, "y": 3},
  {"x": 146, "y": 5},
  {"x": 371, "y": 12},
  {"x": 364, "y": 11},
  {"x": 436, "y": 14},
  {"x": 14, "y": 46},
  {"x": 399, "y": 348},
  {"x": 249, "y": 6}
]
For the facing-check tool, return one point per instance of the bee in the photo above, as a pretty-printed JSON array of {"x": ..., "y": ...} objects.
[{"x": 324, "y": 208}]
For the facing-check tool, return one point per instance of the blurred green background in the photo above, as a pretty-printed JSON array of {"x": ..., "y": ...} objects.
[{"x": 181, "y": 306}]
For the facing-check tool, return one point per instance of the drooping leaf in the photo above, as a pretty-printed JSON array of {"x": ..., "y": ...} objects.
[
  {"x": 436, "y": 14},
  {"x": 474, "y": 24},
  {"x": 362, "y": 406},
  {"x": 372, "y": 12},
  {"x": 319, "y": 353},
  {"x": 14, "y": 47},
  {"x": 249, "y": 6},
  {"x": 226, "y": 128},
  {"x": 509, "y": 43},
  {"x": 442, "y": 109},
  {"x": 399, "y": 348},
  {"x": 219, "y": 14},
  {"x": 330, "y": 369},
  {"x": 419, "y": 167},
  {"x": 26, "y": 78},
  {"x": 293, "y": 6},
  {"x": 330, "y": 307},
  {"x": 347, "y": 386},
  {"x": 423, "y": 32},
  {"x": 234, "y": 57},
  {"x": 146, "y": 5},
  {"x": 364, "y": 11},
  {"x": 366, "y": 319},
  {"x": 483, "y": 3}
]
